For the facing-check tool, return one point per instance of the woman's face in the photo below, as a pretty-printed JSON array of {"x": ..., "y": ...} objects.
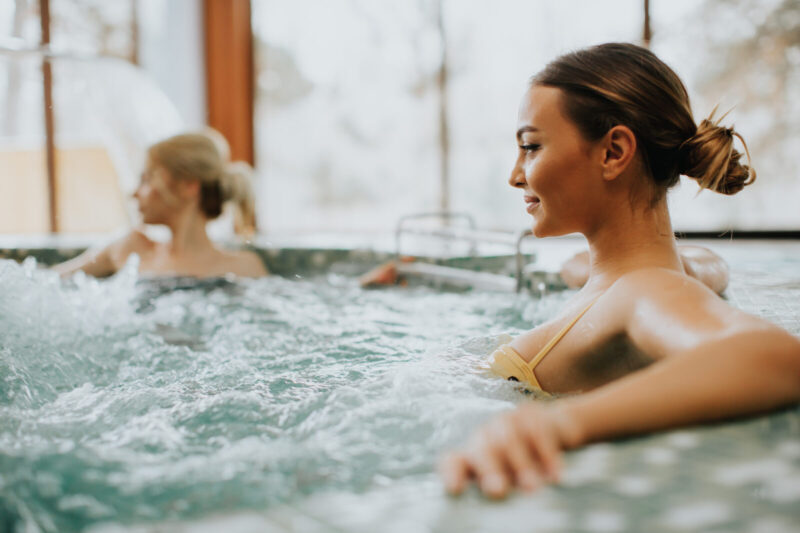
[
  {"x": 154, "y": 195},
  {"x": 557, "y": 169}
]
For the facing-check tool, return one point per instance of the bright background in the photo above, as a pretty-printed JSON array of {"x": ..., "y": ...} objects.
[{"x": 349, "y": 109}]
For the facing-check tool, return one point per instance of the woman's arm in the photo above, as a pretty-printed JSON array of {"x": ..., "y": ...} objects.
[
  {"x": 102, "y": 262},
  {"x": 720, "y": 363},
  {"x": 737, "y": 375},
  {"x": 94, "y": 262},
  {"x": 740, "y": 375},
  {"x": 698, "y": 262}
]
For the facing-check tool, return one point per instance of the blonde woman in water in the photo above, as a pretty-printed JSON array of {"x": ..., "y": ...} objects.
[
  {"x": 602, "y": 134},
  {"x": 186, "y": 183}
]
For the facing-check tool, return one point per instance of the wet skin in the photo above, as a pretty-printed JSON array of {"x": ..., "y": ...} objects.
[
  {"x": 685, "y": 356},
  {"x": 164, "y": 200}
]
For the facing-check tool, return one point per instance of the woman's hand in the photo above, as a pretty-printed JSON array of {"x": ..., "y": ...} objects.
[{"x": 521, "y": 448}]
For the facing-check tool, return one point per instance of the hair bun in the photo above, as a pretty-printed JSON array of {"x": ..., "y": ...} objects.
[{"x": 710, "y": 158}]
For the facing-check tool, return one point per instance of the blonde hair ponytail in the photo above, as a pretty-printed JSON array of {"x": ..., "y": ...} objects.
[{"x": 237, "y": 188}]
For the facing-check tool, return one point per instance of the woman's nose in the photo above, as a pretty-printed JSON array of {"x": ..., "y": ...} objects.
[{"x": 517, "y": 178}]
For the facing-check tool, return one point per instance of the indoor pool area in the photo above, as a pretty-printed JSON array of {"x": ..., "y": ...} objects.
[
  {"x": 306, "y": 403},
  {"x": 429, "y": 266}
]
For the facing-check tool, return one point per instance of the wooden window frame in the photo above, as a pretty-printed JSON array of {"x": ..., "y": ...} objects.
[{"x": 230, "y": 73}]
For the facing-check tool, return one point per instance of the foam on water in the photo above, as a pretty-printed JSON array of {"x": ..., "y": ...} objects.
[{"x": 123, "y": 402}]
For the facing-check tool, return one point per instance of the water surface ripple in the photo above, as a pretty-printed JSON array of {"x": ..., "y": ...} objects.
[{"x": 126, "y": 400}]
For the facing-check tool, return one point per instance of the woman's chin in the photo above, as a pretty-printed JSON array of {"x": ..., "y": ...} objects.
[
  {"x": 151, "y": 220},
  {"x": 539, "y": 230}
]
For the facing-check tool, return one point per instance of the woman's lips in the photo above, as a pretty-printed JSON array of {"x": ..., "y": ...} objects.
[{"x": 531, "y": 203}]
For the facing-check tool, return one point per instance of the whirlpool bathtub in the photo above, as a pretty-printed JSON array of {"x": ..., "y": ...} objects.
[{"x": 305, "y": 403}]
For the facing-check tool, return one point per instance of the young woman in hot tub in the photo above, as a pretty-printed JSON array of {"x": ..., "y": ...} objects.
[
  {"x": 603, "y": 133},
  {"x": 186, "y": 183}
]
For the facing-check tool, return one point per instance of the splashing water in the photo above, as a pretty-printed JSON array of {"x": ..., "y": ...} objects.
[{"x": 122, "y": 402}]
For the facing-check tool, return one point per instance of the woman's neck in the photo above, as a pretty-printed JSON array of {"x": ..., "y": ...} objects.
[
  {"x": 189, "y": 235},
  {"x": 631, "y": 239}
]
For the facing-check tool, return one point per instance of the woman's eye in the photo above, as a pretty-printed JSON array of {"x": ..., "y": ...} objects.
[{"x": 529, "y": 147}]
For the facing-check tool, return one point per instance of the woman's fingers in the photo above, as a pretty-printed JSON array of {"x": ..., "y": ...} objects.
[
  {"x": 456, "y": 472},
  {"x": 486, "y": 458},
  {"x": 543, "y": 441},
  {"x": 521, "y": 448},
  {"x": 511, "y": 446}
]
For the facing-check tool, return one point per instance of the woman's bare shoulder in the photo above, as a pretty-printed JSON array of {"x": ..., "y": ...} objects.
[
  {"x": 134, "y": 242},
  {"x": 137, "y": 238},
  {"x": 245, "y": 263},
  {"x": 669, "y": 292},
  {"x": 656, "y": 278},
  {"x": 663, "y": 287},
  {"x": 667, "y": 311}
]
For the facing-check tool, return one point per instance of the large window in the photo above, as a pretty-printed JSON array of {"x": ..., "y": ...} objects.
[
  {"x": 744, "y": 56},
  {"x": 102, "y": 109},
  {"x": 350, "y": 100},
  {"x": 367, "y": 110},
  {"x": 347, "y": 112}
]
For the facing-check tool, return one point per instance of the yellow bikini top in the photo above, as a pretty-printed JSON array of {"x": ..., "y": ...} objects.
[{"x": 509, "y": 364}]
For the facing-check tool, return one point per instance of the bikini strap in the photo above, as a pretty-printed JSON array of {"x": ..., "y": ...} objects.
[{"x": 555, "y": 340}]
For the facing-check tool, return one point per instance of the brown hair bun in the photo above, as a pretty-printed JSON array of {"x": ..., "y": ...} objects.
[{"x": 710, "y": 158}]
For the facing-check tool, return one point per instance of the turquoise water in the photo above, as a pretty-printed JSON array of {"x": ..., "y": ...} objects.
[
  {"x": 124, "y": 402},
  {"x": 313, "y": 406}
]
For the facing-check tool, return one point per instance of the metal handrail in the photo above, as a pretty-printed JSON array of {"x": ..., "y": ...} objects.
[
  {"x": 399, "y": 230},
  {"x": 493, "y": 237},
  {"x": 460, "y": 277},
  {"x": 522, "y": 236},
  {"x": 472, "y": 234}
]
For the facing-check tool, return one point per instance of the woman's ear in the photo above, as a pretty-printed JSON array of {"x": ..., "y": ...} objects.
[{"x": 619, "y": 149}]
